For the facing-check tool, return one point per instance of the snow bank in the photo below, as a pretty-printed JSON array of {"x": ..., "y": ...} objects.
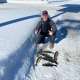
[{"x": 12, "y": 36}]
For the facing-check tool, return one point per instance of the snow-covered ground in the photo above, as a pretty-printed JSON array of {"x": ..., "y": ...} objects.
[
  {"x": 17, "y": 50},
  {"x": 68, "y": 23},
  {"x": 68, "y": 59}
]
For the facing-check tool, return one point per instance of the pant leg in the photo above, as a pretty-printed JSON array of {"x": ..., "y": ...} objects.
[
  {"x": 52, "y": 38},
  {"x": 40, "y": 39}
]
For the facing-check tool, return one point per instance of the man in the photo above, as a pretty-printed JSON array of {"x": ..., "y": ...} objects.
[{"x": 46, "y": 28}]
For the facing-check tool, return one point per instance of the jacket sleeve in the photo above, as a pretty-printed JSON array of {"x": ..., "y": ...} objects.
[
  {"x": 53, "y": 26},
  {"x": 38, "y": 27}
]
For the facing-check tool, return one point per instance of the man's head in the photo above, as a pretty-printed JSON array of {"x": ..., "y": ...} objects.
[{"x": 44, "y": 15}]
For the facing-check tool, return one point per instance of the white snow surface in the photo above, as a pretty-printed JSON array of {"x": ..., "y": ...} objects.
[
  {"x": 68, "y": 59},
  {"x": 13, "y": 36}
]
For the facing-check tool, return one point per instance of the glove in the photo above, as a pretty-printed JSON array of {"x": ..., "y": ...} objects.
[
  {"x": 50, "y": 33},
  {"x": 36, "y": 32}
]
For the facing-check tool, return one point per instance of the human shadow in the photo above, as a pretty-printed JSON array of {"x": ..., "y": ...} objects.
[
  {"x": 61, "y": 34},
  {"x": 66, "y": 23},
  {"x": 63, "y": 31}
]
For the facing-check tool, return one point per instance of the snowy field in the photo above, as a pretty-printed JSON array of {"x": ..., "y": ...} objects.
[{"x": 17, "y": 49}]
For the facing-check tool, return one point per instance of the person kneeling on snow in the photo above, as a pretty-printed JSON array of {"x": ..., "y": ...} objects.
[{"x": 45, "y": 28}]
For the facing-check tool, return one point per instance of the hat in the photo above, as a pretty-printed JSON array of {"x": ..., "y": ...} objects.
[{"x": 44, "y": 12}]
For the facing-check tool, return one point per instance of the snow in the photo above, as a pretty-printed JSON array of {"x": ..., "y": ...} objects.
[
  {"x": 68, "y": 59},
  {"x": 27, "y": 1},
  {"x": 17, "y": 51},
  {"x": 2, "y": 71},
  {"x": 68, "y": 48},
  {"x": 8, "y": 32},
  {"x": 9, "y": 40}
]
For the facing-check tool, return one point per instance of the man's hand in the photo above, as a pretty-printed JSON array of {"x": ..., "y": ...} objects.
[
  {"x": 50, "y": 33},
  {"x": 36, "y": 32}
]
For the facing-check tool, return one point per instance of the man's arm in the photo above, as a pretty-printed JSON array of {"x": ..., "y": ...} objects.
[
  {"x": 37, "y": 29},
  {"x": 53, "y": 27}
]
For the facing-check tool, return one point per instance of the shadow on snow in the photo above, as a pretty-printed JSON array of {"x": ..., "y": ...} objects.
[{"x": 15, "y": 61}]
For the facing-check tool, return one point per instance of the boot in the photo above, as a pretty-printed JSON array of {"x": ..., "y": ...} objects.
[{"x": 51, "y": 45}]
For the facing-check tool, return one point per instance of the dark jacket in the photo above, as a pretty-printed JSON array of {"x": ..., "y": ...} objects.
[{"x": 43, "y": 28}]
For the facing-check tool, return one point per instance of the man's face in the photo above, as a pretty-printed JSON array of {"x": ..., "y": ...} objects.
[{"x": 45, "y": 17}]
